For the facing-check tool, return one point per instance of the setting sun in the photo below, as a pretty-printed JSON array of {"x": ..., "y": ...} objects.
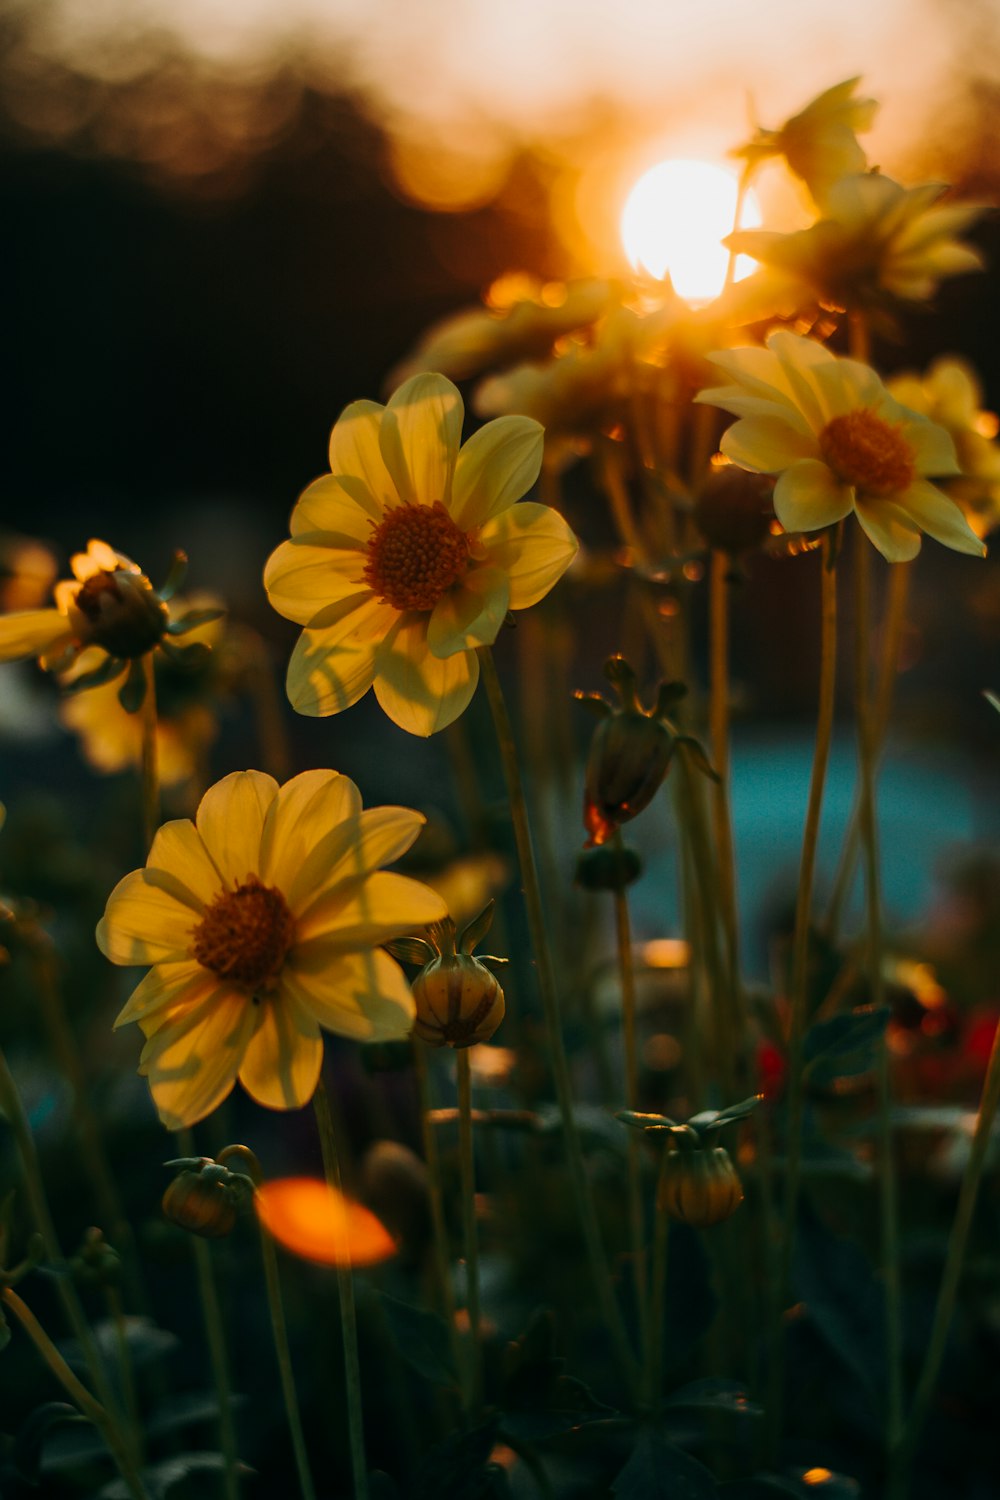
[{"x": 675, "y": 219}]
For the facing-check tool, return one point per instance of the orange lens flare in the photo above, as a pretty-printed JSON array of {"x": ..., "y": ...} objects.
[{"x": 312, "y": 1220}]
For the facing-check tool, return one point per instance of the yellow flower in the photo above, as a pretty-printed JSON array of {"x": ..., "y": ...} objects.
[
  {"x": 408, "y": 555},
  {"x": 262, "y": 920},
  {"x": 876, "y": 238},
  {"x": 950, "y": 394},
  {"x": 27, "y": 571},
  {"x": 187, "y": 698},
  {"x": 839, "y": 442},
  {"x": 820, "y": 143}
]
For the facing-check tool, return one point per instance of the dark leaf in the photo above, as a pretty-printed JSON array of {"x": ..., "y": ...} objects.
[
  {"x": 767, "y": 1487},
  {"x": 411, "y": 950},
  {"x": 185, "y": 1476},
  {"x": 459, "y": 1466},
  {"x": 845, "y": 1045},
  {"x": 696, "y": 755},
  {"x": 656, "y": 1470},
  {"x": 38, "y": 1426},
  {"x": 422, "y": 1339},
  {"x": 714, "y": 1119},
  {"x": 174, "y": 1413},
  {"x": 842, "y": 1297},
  {"x": 715, "y": 1395},
  {"x": 639, "y": 1121},
  {"x": 175, "y": 577}
]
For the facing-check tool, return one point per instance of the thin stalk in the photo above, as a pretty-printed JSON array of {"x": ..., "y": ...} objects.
[
  {"x": 658, "y": 1298},
  {"x": 800, "y": 982},
  {"x": 268, "y": 706},
  {"x": 279, "y": 1328},
  {"x": 637, "y": 1224},
  {"x": 888, "y": 1208},
  {"x": 442, "y": 1250},
  {"x": 150, "y": 768},
  {"x": 467, "y": 1168},
  {"x": 215, "y": 1336},
  {"x": 77, "y": 1392},
  {"x": 722, "y": 822},
  {"x": 345, "y": 1291},
  {"x": 550, "y": 1004},
  {"x": 989, "y": 1104},
  {"x": 125, "y": 1365}
]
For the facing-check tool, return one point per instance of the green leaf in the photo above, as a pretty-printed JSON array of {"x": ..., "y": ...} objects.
[
  {"x": 845, "y": 1045},
  {"x": 657, "y": 1470},
  {"x": 457, "y": 1467},
  {"x": 697, "y": 756},
  {"x": 109, "y": 669},
  {"x": 714, "y": 1119},
  {"x": 175, "y": 577},
  {"x": 411, "y": 950},
  {"x": 38, "y": 1426},
  {"x": 422, "y": 1339},
  {"x": 193, "y": 619},
  {"x": 639, "y": 1121},
  {"x": 715, "y": 1395}
]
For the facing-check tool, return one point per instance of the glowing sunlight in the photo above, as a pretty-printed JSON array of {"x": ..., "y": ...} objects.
[{"x": 675, "y": 219}]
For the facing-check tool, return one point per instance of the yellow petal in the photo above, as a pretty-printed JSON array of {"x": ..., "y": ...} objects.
[
  {"x": 940, "y": 517},
  {"x": 494, "y": 468},
  {"x": 325, "y": 505},
  {"x": 281, "y": 1066},
  {"x": 98, "y": 558},
  {"x": 356, "y": 459},
  {"x": 363, "y": 996},
  {"x": 807, "y": 497},
  {"x": 191, "y": 1063},
  {"x": 471, "y": 613},
  {"x": 333, "y": 666},
  {"x": 384, "y": 907},
  {"x": 767, "y": 444},
  {"x": 301, "y": 817},
  {"x": 419, "y": 692},
  {"x": 419, "y": 437},
  {"x": 534, "y": 547},
  {"x": 179, "y": 863},
  {"x": 313, "y": 1220},
  {"x": 312, "y": 571},
  {"x": 167, "y": 990},
  {"x": 230, "y": 819},
  {"x": 144, "y": 924},
  {"x": 29, "y": 632},
  {"x": 349, "y": 853},
  {"x": 889, "y": 529}
]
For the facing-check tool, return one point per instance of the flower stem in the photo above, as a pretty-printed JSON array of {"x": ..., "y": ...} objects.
[
  {"x": 719, "y": 692},
  {"x": 77, "y": 1392},
  {"x": 550, "y": 1004},
  {"x": 345, "y": 1291},
  {"x": 150, "y": 768},
  {"x": 216, "y": 1337},
  {"x": 799, "y": 992},
  {"x": 873, "y": 900},
  {"x": 626, "y": 971},
  {"x": 467, "y": 1167},
  {"x": 989, "y": 1104},
  {"x": 441, "y": 1248},
  {"x": 658, "y": 1302},
  {"x": 279, "y": 1328}
]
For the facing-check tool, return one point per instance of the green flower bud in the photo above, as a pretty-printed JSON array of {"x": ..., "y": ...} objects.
[
  {"x": 699, "y": 1186},
  {"x": 459, "y": 1002},
  {"x": 202, "y": 1201},
  {"x": 96, "y": 1263},
  {"x": 629, "y": 757},
  {"x": 119, "y": 611}
]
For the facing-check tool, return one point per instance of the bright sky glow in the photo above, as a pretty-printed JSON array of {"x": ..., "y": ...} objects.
[{"x": 675, "y": 219}]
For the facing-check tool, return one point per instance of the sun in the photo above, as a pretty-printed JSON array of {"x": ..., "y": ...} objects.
[{"x": 675, "y": 219}]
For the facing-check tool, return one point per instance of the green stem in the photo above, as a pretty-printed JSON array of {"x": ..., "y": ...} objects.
[
  {"x": 658, "y": 1302},
  {"x": 117, "y": 1311},
  {"x": 150, "y": 769},
  {"x": 799, "y": 993},
  {"x": 467, "y": 1168},
  {"x": 279, "y": 1329},
  {"x": 888, "y": 1209},
  {"x": 550, "y": 1004},
  {"x": 345, "y": 1291},
  {"x": 989, "y": 1104},
  {"x": 432, "y": 1156},
  {"x": 637, "y": 1225},
  {"x": 77, "y": 1392}
]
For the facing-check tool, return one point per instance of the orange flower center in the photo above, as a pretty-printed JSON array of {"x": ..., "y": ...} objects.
[
  {"x": 864, "y": 450},
  {"x": 245, "y": 935},
  {"x": 415, "y": 555}
]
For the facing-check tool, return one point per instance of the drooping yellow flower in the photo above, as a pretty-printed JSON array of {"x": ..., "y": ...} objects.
[
  {"x": 262, "y": 920},
  {"x": 875, "y": 238},
  {"x": 838, "y": 442},
  {"x": 950, "y": 394},
  {"x": 820, "y": 143},
  {"x": 408, "y": 555}
]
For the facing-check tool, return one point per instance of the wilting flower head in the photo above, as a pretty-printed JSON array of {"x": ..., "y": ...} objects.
[
  {"x": 839, "y": 442},
  {"x": 820, "y": 143},
  {"x": 109, "y": 604},
  {"x": 408, "y": 555},
  {"x": 262, "y": 920},
  {"x": 875, "y": 238},
  {"x": 950, "y": 394}
]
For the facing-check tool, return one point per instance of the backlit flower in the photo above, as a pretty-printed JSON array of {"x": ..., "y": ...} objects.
[
  {"x": 408, "y": 555},
  {"x": 950, "y": 394},
  {"x": 262, "y": 920},
  {"x": 820, "y": 143},
  {"x": 876, "y": 238},
  {"x": 839, "y": 442}
]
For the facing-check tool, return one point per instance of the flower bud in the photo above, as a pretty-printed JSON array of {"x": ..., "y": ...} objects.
[
  {"x": 202, "y": 1201},
  {"x": 459, "y": 1001},
  {"x": 733, "y": 511},
  {"x": 629, "y": 757},
  {"x": 96, "y": 1263},
  {"x": 699, "y": 1187},
  {"x": 119, "y": 611}
]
